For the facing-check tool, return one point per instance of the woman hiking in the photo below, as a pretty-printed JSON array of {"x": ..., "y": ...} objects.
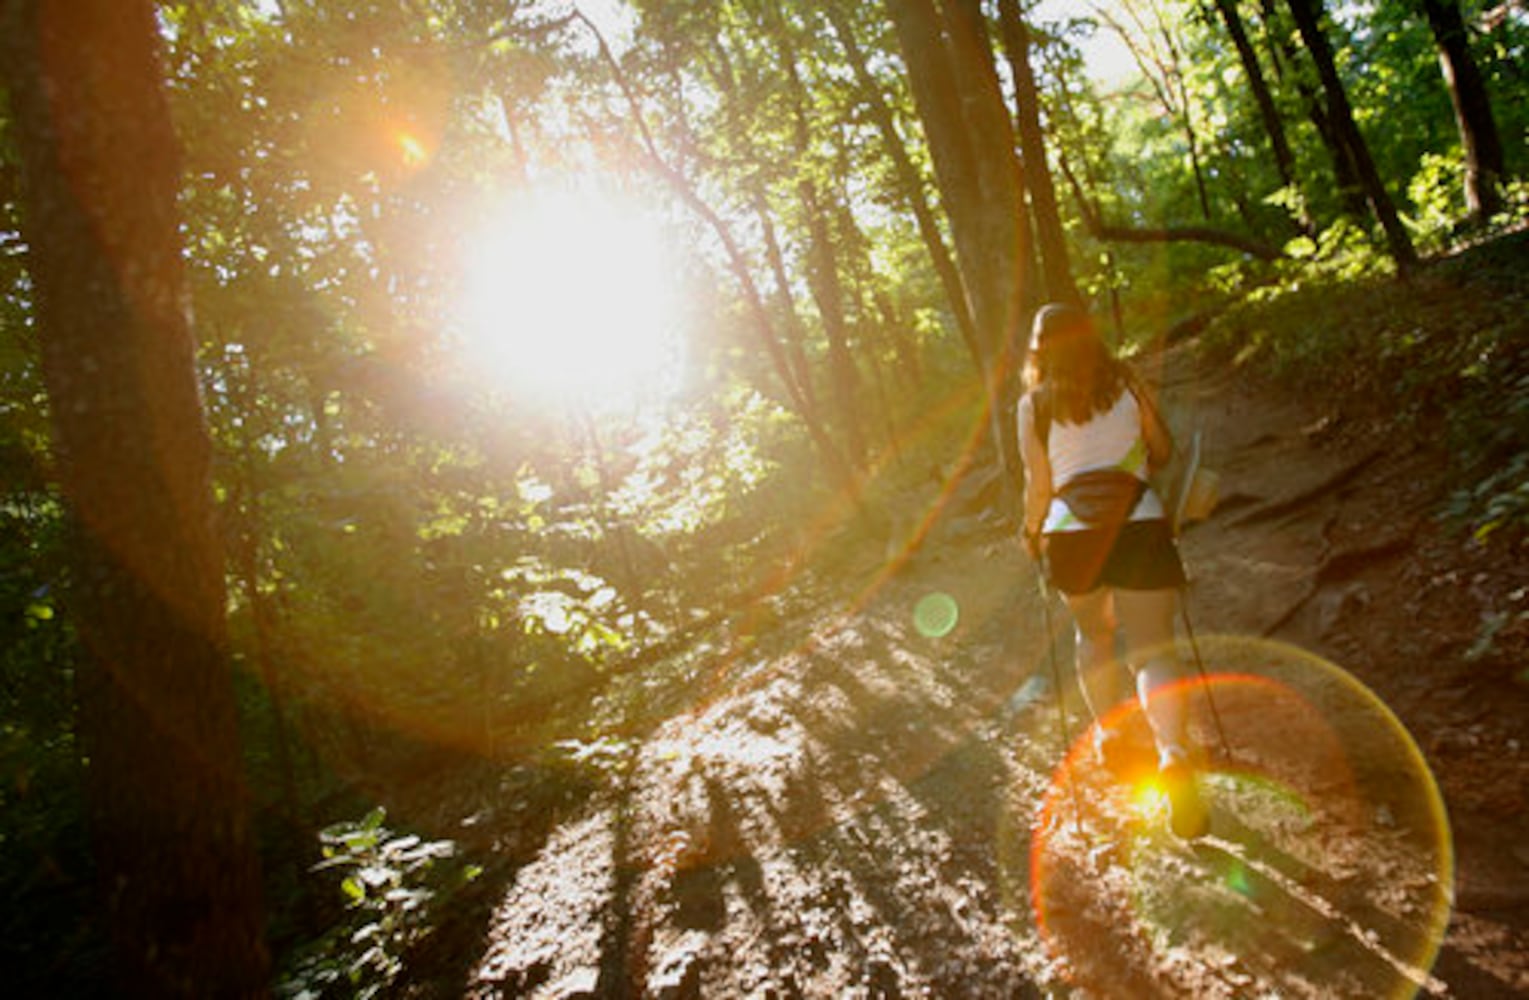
[{"x": 1089, "y": 436}]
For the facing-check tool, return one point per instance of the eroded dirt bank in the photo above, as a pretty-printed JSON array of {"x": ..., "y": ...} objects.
[{"x": 877, "y": 811}]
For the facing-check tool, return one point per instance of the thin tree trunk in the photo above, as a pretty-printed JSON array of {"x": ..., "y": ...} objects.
[
  {"x": 1283, "y": 53},
  {"x": 828, "y": 293},
  {"x": 796, "y": 334},
  {"x": 158, "y": 720},
  {"x": 1308, "y": 17},
  {"x": 955, "y": 92},
  {"x": 871, "y": 327},
  {"x": 1345, "y": 171},
  {"x": 822, "y": 265},
  {"x": 912, "y": 187},
  {"x": 839, "y": 470},
  {"x": 1191, "y": 136},
  {"x": 245, "y": 544},
  {"x": 1473, "y": 109},
  {"x": 1268, "y": 113},
  {"x": 1161, "y": 75},
  {"x": 1060, "y": 286}
]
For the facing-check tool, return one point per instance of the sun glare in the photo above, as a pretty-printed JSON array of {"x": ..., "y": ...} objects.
[
  {"x": 415, "y": 153},
  {"x": 572, "y": 298}
]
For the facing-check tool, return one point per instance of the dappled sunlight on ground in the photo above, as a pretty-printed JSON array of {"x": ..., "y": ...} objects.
[
  {"x": 834, "y": 824},
  {"x": 864, "y": 817},
  {"x": 1328, "y": 869},
  {"x": 884, "y": 804}
]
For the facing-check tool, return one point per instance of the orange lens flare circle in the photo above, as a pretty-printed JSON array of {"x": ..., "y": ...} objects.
[{"x": 1328, "y": 869}]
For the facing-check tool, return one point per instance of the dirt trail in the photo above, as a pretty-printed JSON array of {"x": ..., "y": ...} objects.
[{"x": 877, "y": 811}]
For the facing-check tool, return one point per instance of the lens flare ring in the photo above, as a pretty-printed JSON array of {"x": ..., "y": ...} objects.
[{"x": 1329, "y": 867}]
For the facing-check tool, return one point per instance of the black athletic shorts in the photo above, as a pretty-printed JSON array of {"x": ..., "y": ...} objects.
[{"x": 1137, "y": 556}]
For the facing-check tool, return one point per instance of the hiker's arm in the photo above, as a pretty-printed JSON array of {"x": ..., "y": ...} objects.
[
  {"x": 1037, "y": 469},
  {"x": 1154, "y": 432}
]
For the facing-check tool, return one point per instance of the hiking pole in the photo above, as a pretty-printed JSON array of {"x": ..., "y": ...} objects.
[
  {"x": 1194, "y": 647},
  {"x": 1176, "y": 527},
  {"x": 1061, "y": 708}
]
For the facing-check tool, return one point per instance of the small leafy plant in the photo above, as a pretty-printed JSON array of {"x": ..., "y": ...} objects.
[{"x": 391, "y": 884}]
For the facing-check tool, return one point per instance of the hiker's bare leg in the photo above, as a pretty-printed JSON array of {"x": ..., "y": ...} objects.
[
  {"x": 1093, "y": 614},
  {"x": 1147, "y": 619}
]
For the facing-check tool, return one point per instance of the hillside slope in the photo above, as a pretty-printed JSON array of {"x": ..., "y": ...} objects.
[{"x": 876, "y": 802}]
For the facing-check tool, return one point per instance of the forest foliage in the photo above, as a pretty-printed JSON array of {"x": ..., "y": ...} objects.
[{"x": 437, "y": 566}]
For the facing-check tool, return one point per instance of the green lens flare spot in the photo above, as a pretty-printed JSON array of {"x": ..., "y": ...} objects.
[
  {"x": 1237, "y": 880},
  {"x": 936, "y": 615}
]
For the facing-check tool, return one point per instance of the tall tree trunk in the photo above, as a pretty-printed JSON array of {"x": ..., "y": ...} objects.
[
  {"x": 910, "y": 370},
  {"x": 1060, "y": 286},
  {"x": 1308, "y": 20},
  {"x": 879, "y": 342},
  {"x": 158, "y": 721},
  {"x": 1268, "y": 113},
  {"x": 828, "y": 293},
  {"x": 791, "y": 317},
  {"x": 822, "y": 263},
  {"x": 244, "y": 515},
  {"x": 1351, "y": 197},
  {"x": 955, "y": 91},
  {"x": 1175, "y": 74},
  {"x": 999, "y": 174},
  {"x": 911, "y": 185},
  {"x": 1473, "y": 109},
  {"x": 1284, "y": 51},
  {"x": 1005, "y": 222},
  {"x": 986, "y": 260}
]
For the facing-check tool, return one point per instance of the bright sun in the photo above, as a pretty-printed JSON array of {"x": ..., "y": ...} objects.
[{"x": 572, "y": 298}]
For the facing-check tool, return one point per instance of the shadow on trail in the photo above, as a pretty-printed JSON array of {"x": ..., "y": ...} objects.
[
  {"x": 503, "y": 844},
  {"x": 832, "y": 827},
  {"x": 858, "y": 821}
]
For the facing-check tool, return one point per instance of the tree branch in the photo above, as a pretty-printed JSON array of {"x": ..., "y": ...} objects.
[{"x": 1101, "y": 230}]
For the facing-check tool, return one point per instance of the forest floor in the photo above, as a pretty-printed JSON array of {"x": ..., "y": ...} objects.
[{"x": 876, "y": 802}]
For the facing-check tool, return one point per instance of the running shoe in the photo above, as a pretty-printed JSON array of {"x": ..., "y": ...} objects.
[{"x": 1187, "y": 815}]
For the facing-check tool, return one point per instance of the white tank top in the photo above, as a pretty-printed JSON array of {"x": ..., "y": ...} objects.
[{"x": 1109, "y": 440}]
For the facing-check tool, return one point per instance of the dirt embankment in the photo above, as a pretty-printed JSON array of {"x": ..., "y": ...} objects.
[{"x": 882, "y": 806}]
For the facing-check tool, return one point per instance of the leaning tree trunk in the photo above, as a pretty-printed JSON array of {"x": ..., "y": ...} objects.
[
  {"x": 158, "y": 721},
  {"x": 955, "y": 92},
  {"x": 1060, "y": 286},
  {"x": 785, "y": 300},
  {"x": 911, "y": 186},
  {"x": 1473, "y": 109},
  {"x": 823, "y": 266},
  {"x": 985, "y": 258},
  {"x": 1308, "y": 16},
  {"x": 1283, "y": 50},
  {"x": 1268, "y": 113}
]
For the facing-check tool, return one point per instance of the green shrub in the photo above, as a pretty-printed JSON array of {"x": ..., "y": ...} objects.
[
  {"x": 392, "y": 884},
  {"x": 1445, "y": 353}
]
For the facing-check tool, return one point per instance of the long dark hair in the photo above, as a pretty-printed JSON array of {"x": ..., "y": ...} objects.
[{"x": 1070, "y": 361}]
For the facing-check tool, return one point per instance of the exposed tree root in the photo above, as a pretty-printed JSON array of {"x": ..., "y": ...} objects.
[
  {"x": 1343, "y": 564},
  {"x": 1291, "y": 504}
]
